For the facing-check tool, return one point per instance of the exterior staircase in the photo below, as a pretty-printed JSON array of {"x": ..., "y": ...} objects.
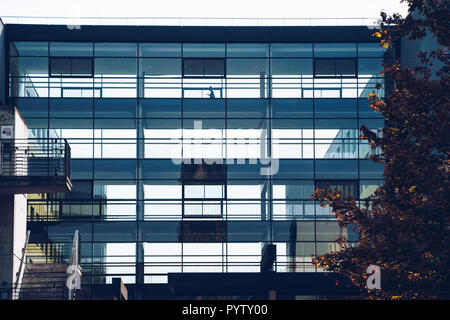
[{"x": 44, "y": 282}]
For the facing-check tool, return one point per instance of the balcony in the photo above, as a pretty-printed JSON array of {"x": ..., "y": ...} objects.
[{"x": 34, "y": 166}]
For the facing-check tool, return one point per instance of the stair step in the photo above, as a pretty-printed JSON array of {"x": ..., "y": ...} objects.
[
  {"x": 44, "y": 284},
  {"x": 46, "y": 266},
  {"x": 45, "y": 275},
  {"x": 44, "y": 296},
  {"x": 43, "y": 281}
]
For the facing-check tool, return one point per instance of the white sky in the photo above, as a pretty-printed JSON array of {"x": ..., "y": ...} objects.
[{"x": 202, "y": 8}]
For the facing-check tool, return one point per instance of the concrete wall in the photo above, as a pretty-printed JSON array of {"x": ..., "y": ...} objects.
[
  {"x": 6, "y": 239},
  {"x": 13, "y": 212}
]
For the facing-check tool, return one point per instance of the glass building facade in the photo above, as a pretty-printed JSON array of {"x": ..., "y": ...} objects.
[{"x": 189, "y": 154}]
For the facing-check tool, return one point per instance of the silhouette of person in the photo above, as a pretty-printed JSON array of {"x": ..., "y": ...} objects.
[{"x": 211, "y": 93}]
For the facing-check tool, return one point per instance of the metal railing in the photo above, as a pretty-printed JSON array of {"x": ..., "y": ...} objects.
[
  {"x": 35, "y": 157},
  {"x": 76, "y": 22},
  {"x": 177, "y": 210},
  {"x": 234, "y": 86},
  {"x": 19, "y": 274},
  {"x": 74, "y": 266}
]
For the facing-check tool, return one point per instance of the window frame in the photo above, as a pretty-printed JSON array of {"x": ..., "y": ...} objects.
[
  {"x": 316, "y": 75},
  {"x": 184, "y": 75},
  {"x": 71, "y": 75},
  {"x": 321, "y": 183}
]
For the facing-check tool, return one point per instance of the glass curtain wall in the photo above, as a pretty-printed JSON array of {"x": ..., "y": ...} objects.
[{"x": 171, "y": 145}]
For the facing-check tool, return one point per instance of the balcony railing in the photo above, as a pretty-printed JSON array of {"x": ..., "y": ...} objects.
[{"x": 35, "y": 158}]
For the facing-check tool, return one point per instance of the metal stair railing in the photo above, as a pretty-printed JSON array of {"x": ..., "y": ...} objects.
[
  {"x": 20, "y": 272},
  {"x": 74, "y": 269}
]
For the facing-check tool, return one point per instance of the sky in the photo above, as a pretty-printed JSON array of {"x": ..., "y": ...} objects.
[{"x": 203, "y": 8}]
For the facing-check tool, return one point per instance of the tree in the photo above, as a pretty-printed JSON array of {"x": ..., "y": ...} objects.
[{"x": 404, "y": 225}]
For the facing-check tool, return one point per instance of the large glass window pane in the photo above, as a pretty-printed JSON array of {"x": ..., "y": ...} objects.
[
  {"x": 71, "y": 108},
  {"x": 202, "y": 257},
  {"x": 161, "y": 77},
  {"x": 292, "y": 108},
  {"x": 33, "y": 107},
  {"x": 370, "y": 67},
  {"x": 82, "y": 67},
  {"x": 71, "y": 49},
  {"x": 162, "y": 189},
  {"x": 162, "y": 138},
  {"x": 292, "y": 138},
  {"x": 295, "y": 169},
  {"x": 116, "y": 199},
  {"x": 203, "y": 139},
  {"x": 116, "y": 232},
  {"x": 247, "y": 231},
  {"x": 203, "y": 50},
  {"x": 115, "y": 108},
  {"x": 204, "y": 67},
  {"x": 117, "y": 67},
  {"x": 111, "y": 49},
  {"x": 292, "y": 189},
  {"x": 246, "y": 139},
  {"x": 114, "y": 138},
  {"x": 247, "y": 67},
  {"x": 161, "y": 108},
  {"x": 116, "y": 77},
  {"x": 334, "y": 50},
  {"x": 291, "y": 67},
  {"x": 193, "y": 67},
  {"x": 336, "y": 169},
  {"x": 160, "y": 259},
  {"x": 160, "y": 49},
  {"x": 371, "y": 50},
  {"x": 162, "y": 67},
  {"x": 114, "y": 169},
  {"x": 248, "y": 50},
  {"x": 160, "y": 169},
  {"x": 291, "y": 50},
  {"x": 247, "y": 78},
  {"x": 71, "y": 123},
  {"x": 244, "y": 256},
  {"x": 28, "y": 67},
  {"x": 335, "y": 108},
  {"x": 346, "y": 67},
  {"x": 60, "y": 67},
  {"x": 25, "y": 48},
  {"x": 243, "y": 171},
  {"x": 288, "y": 77},
  {"x": 204, "y": 108},
  {"x": 325, "y": 67},
  {"x": 80, "y": 141},
  {"x": 81, "y": 169},
  {"x": 247, "y": 108},
  {"x": 160, "y": 231},
  {"x": 71, "y": 67},
  {"x": 214, "y": 67},
  {"x": 335, "y": 67},
  {"x": 336, "y": 138}
]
